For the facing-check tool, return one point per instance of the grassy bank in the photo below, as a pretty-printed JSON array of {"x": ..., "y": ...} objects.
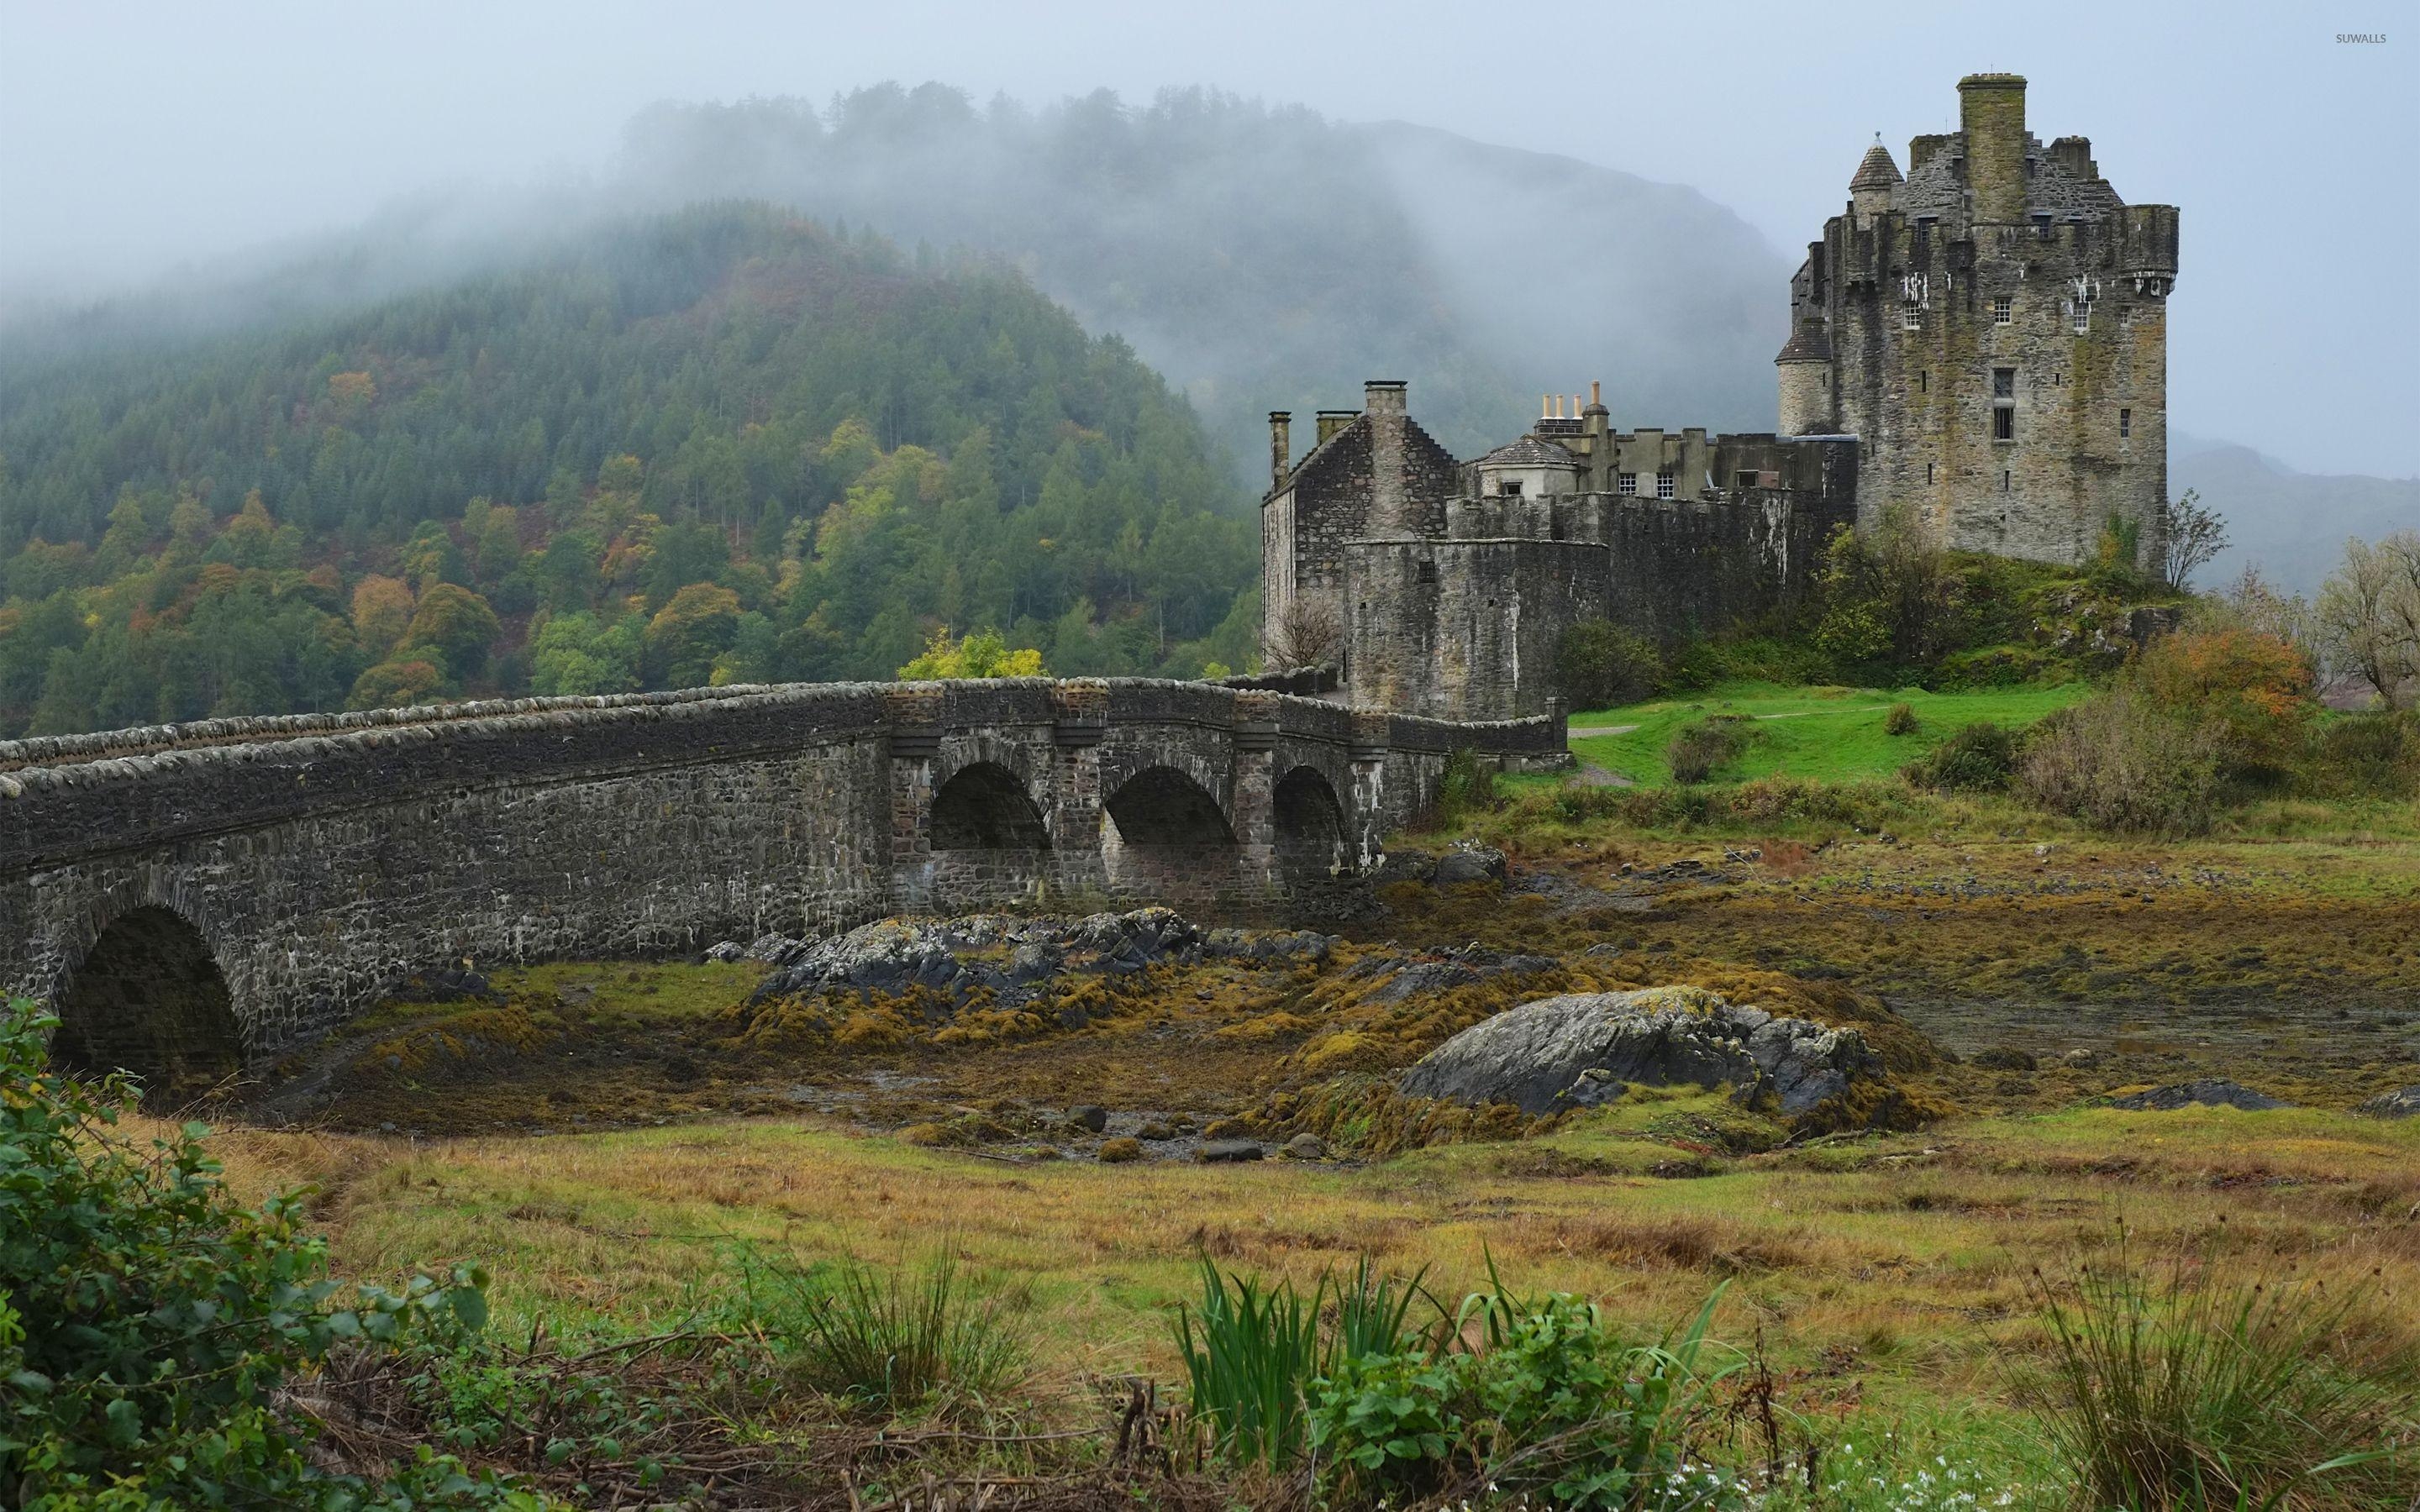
[{"x": 1831, "y": 734}]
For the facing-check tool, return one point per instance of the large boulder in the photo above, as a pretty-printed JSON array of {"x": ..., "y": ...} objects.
[
  {"x": 1584, "y": 1048},
  {"x": 1470, "y": 863}
]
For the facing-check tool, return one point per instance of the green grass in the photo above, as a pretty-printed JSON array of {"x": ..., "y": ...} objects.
[{"x": 1829, "y": 733}]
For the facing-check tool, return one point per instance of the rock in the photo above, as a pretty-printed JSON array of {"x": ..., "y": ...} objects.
[
  {"x": 1118, "y": 1152},
  {"x": 2082, "y": 1060},
  {"x": 1540, "y": 1055},
  {"x": 1404, "y": 865},
  {"x": 725, "y": 952},
  {"x": 1089, "y": 1116},
  {"x": 2209, "y": 1092},
  {"x": 2006, "y": 1057},
  {"x": 1034, "y": 960},
  {"x": 1474, "y": 863},
  {"x": 2404, "y": 1102},
  {"x": 1305, "y": 1146},
  {"x": 1223, "y": 1151}
]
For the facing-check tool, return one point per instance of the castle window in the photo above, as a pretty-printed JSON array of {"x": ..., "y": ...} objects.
[
  {"x": 1928, "y": 473},
  {"x": 1911, "y": 318},
  {"x": 1744, "y": 478},
  {"x": 2004, "y": 310},
  {"x": 2004, "y": 480},
  {"x": 1425, "y": 573},
  {"x": 1509, "y": 487},
  {"x": 2125, "y": 317},
  {"x": 1625, "y": 483},
  {"x": 1663, "y": 483},
  {"x": 2125, "y": 424},
  {"x": 2041, "y": 226},
  {"x": 1924, "y": 382},
  {"x": 2082, "y": 316},
  {"x": 2004, "y": 403}
]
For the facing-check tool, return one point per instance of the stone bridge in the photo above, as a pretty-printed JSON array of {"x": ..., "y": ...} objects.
[{"x": 191, "y": 898}]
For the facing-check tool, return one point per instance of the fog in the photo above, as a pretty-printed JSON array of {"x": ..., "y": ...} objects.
[{"x": 145, "y": 143}]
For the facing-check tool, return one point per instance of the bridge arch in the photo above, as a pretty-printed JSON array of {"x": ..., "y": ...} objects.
[
  {"x": 1313, "y": 840},
  {"x": 1166, "y": 835},
  {"x": 149, "y": 997},
  {"x": 985, "y": 806}
]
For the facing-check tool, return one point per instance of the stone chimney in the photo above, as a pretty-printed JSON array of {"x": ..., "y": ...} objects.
[
  {"x": 1991, "y": 112},
  {"x": 1280, "y": 447},
  {"x": 1332, "y": 421},
  {"x": 1382, "y": 400}
]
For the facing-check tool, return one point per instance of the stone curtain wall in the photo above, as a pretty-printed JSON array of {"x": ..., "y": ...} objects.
[{"x": 322, "y": 859}]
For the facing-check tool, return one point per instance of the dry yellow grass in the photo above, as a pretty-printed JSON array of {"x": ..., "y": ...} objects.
[{"x": 1900, "y": 1261}]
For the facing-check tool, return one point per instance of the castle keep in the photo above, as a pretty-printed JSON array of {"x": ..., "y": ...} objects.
[{"x": 1978, "y": 347}]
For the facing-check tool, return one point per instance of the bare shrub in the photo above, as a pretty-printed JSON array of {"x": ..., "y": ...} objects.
[
  {"x": 2116, "y": 761},
  {"x": 1309, "y": 632}
]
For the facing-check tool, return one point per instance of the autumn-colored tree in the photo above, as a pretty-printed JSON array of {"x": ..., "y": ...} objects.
[
  {"x": 455, "y": 623},
  {"x": 982, "y": 654},
  {"x": 689, "y": 632},
  {"x": 2252, "y": 687},
  {"x": 383, "y": 610},
  {"x": 395, "y": 685}
]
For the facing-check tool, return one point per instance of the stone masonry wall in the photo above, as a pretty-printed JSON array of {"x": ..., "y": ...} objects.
[{"x": 321, "y": 861}]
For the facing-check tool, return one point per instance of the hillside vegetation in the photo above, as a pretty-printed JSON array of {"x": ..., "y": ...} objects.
[{"x": 726, "y": 445}]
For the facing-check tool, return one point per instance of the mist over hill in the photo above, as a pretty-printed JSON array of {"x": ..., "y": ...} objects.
[
  {"x": 1264, "y": 258},
  {"x": 2293, "y": 524}
]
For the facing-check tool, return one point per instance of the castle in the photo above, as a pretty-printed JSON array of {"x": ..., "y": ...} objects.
[{"x": 1978, "y": 347}]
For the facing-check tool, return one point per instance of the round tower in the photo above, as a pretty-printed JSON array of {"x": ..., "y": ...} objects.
[{"x": 1804, "y": 367}]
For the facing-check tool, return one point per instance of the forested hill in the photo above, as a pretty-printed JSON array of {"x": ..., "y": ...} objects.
[{"x": 726, "y": 444}]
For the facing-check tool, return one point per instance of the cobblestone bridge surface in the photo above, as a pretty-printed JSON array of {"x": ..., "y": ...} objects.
[{"x": 188, "y": 896}]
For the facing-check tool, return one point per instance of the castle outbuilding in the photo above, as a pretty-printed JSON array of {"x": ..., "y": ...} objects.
[{"x": 1978, "y": 347}]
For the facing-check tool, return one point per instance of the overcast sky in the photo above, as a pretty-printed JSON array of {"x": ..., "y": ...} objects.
[{"x": 134, "y": 136}]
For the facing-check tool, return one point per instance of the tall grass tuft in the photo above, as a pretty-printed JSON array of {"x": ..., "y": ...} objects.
[
  {"x": 2198, "y": 1390},
  {"x": 1249, "y": 1352},
  {"x": 889, "y": 1338},
  {"x": 1253, "y": 1350}
]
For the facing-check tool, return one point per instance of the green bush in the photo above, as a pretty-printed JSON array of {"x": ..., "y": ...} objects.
[
  {"x": 1702, "y": 750},
  {"x": 1468, "y": 785},
  {"x": 1981, "y": 758},
  {"x": 1551, "y": 1403},
  {"x": 1901, "y": 720},
  {"x": 2364, "y": 756},
  {"x": 2202, "y": 1390},
  {"x": 147, "y": 1322},
  {"x": 1601, "y": 666},
  {"x": 888, "y": 1339}
]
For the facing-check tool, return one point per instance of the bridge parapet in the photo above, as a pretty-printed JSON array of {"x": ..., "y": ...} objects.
[{"x": 315, "y": 860}]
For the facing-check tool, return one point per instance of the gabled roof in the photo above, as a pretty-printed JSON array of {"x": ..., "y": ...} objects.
[
  {"x": 1878, "y": 170},
  {"x": 1530, "y": 451}
]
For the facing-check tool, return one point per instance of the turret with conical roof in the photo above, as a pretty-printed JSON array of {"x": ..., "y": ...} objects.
[{"x": 1877, "y": 176}]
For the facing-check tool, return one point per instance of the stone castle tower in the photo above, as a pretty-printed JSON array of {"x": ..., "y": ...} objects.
[{"x": 1993, "y": 329}]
